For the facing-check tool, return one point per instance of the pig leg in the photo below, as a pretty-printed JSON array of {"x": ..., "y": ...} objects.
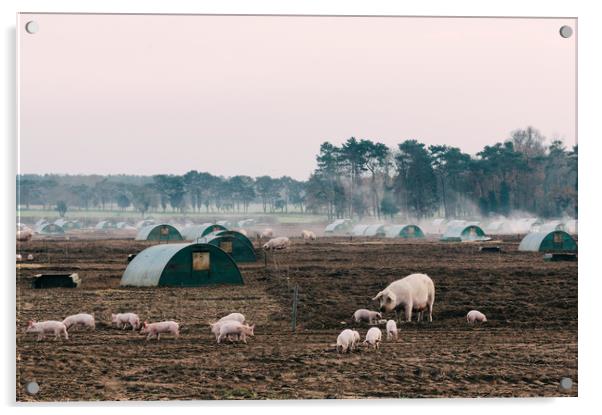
[
  {"x": 66, "y": 335},
  {"x": 408, "y": 312},
  {"x": 430, "y": 308},
  {"x": 158, "y": 336}
]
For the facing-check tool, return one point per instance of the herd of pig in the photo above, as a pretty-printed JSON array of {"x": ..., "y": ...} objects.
[
  {"x": 230, "y": 327},
  {"x": 282, "y": 242},
  {"x": 414, "y": 293}
]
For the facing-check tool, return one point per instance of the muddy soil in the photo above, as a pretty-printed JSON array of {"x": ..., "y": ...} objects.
[{"x": 526, "y": 347}]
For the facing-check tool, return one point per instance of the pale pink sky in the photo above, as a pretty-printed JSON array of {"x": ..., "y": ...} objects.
[{"x": 148, "y": 94}]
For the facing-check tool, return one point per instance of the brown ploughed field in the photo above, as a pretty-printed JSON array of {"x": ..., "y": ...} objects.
[{"x": 526, "y": 347}]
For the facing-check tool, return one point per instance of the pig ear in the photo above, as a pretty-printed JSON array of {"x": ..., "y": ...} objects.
[{"x": 380, "y": 294}]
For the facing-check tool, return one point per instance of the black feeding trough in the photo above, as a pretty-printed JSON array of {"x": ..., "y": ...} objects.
[{"x": 56, "y": 280}]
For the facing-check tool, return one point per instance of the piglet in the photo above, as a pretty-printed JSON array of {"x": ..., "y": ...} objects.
[
  {"x": 47, "y": 327},
  {"x": 373, "y": 337},
  {"x": 475, "y": 316},
  {"x": 122, "y": 320},
  {"x": 234, "y": 328},
  {"x": 346, "y": 341},
  {"x": 156, "y": 329},
  {"x": 391, "y": 330},
  {"x": 80, "y": 320},
  {"x": 366, "y": 315}
]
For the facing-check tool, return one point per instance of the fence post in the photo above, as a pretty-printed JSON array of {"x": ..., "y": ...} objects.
[{"x": 295, "y": 302}]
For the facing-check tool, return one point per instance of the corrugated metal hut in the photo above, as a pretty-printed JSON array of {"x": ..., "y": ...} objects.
[
  {"x": 161, "y": 232},
  {"x": 358, "y": 230},
  {"x": 246, "y": 222},
  {"x": 236, "y": 234},
  {"x": 234, "y": 244},
  {"x": 375, "y": 230},
  {"x": 105, "y": 224},
  {"x": 145, "y": 222},
  {"x": 546, "y": 227},
  {"x": 555, "y": 241},
  {"x": 186, "y": 265},
  {"x": 50, "y": 229},
  {"x": 68, "y": 224},
  {"x": 122, "y": 225},
  {"x": 192, "y": 233},
  {"x": 339, "y": 226},
  {"x": 40, "y": 223},
  {"x": 464, "y": 232},
  {"x": 403, "y": 231}
]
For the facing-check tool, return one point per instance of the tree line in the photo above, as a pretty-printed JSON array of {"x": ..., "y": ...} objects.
[{"x": 359, "y": 178}]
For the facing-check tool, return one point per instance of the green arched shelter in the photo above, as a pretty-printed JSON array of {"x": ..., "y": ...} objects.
[
  {"x": 234, "y": 244},
  {"x": 185, "y": 265},
  {"x": 404, "y": 231},
  {"x": 50, "y": 229},
  {"x": 555, "y": 241},
  {"x": 161, "y": 232},
  {"x": 194, "y": 232},
  {"x": 68, "y": 224},
  {"x": 237, "y": 235},
  {"x": 339, "y": 226},
  {"x": 105, "y": 224},
  {"x": 463, "y": 232}
]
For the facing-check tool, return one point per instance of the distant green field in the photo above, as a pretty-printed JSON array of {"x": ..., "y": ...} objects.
[{"x": 133, "y": 216}]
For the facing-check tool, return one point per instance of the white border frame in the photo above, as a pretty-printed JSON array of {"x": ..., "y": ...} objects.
[{"x": 589, "y": 95}]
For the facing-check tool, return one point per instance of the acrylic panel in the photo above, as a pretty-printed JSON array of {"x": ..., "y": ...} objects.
[{"x": 384, "y": 169}]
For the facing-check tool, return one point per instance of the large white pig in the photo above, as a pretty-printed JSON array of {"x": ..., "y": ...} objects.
[
  {"x": 345, "y": 341},
  {"x": 373, "y": 337},
  {"x": 47, "y": 327},
  {"x": 80, "y": 320},
  {"x": 416, "y": 292},
  {"x": 282, "y": 242},
  {"x": 122, "y": 320},
  {"x": 475, "y": 316},
  {"x": 156, "y": 329}
]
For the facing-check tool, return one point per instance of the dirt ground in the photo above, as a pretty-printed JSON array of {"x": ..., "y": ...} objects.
[{"x": 526, "y": 347}]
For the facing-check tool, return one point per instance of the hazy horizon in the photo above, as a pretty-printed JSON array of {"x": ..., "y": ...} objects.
[{"x": 257, "y": 95}]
